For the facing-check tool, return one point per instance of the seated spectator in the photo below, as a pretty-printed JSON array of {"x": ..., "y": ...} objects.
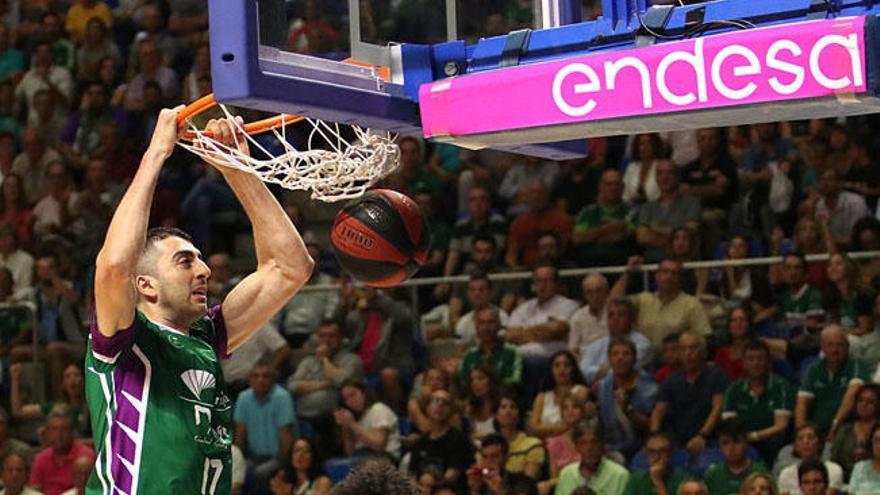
[
  {"x": 622, "y": 315},
  {"x": 561, "y": 448},
  {"x": 368, "y": 428},
  {"x": 807, "y": 448},
  {"x": 799, "y": 307},
  {"x": 661, "y": 478},
  {"x": 851, "y": 442},
  {"x": 865, "y": 477},
  {"x": 80, "y": 13},
  {"x": 729, "y": 475},
  {"x": 303, "y": 474},
  {"x": 12, "y": 61},
  {"x": 82, "y": 469},
  {"x": 668, "y": 310},
  {"x": 693, "y": 487},
  {"x": 440, "y": 233},
  {"x": 200, "y": 70},
  {"x": 152, "y": 70},
  {"x": 32, "y": 163},
  {"x": 442, "y": 447},
  {"x": 829, "y": 387},
  {"x": 526, "y": 453},
  {"x": 19, "y": 263},
  {"x": 595, "y": 470},
  {"x": 480, "y": 221},
  {"x": 640, "y": 179},
  {"x": 267, "y": 346},
  {"x": 54, "y": 213},
  {"x": 761, "y": 400},
  {"x": 47, "y": 118},
  {"x": 300, "y": 316},
  {"x": 371, "y": 318},
  {"x": 865, "y": 237},
  {"x": 264, "y": 425},
  {"x": 82, "y": 133},
  {"x": 867, "y": 348},
  {"x": 479, "y": 297},
  {"x": 10, "y": 445},
  {"x": 52, "y": 471},
  {"x": 689, "y": 403},
  {"x": 490, "y": 476},
  {"x": 757, "y": 484},
  {"x": 670, "y": 358},
  {"x": 685, "y": 247},
  {"x": 516, "y": 187},
  {"x": 579, "y": 179},
  {"x": 482, "y": 400},
  {"x": 729, "y": 357},
  {"x": 94, "y": 206},
  {"x": 490, "y": 349},
  {"x": 604, "y": 232},
  {"x": 841, "y": 208},
  {"x": 318, "y": 376},
  {"x": 744, "y": 285},
  {"x": 73, "y": 398},
  {"x": 44, "y": 74},
  {"x": 525, "y": 229},
  {"x": 15, "y": 476},
  {"x": 563, "y": 379},
  {"x": 658, "y": 218},
  {"x": 96, "y": 45},
  {"x": 432, "y": 380},
  {"x": 808, "y": 239},
  {"x": 626, "y": 399},
  {"x": 589, "y": 323},
  {"x": 847, "y": 302},
  {"x": 539, "y": 326},
  {"x": 813, "y": 478}
]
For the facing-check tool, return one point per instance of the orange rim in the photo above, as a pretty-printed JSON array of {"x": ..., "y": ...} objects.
[{"x": 253, "y": 128}]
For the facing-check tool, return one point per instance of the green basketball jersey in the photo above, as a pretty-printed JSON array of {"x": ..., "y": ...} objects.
[{"x": 160, "y": 414}]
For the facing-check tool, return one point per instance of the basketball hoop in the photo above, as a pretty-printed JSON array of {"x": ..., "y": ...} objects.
[{"x": 345, "y": 170}]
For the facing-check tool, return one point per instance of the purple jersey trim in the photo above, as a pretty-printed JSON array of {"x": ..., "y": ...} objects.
[
  {"x": 130, "y": 387},
  {"x": 109, "y": 347},
  {"x": 221, "y": 345}
]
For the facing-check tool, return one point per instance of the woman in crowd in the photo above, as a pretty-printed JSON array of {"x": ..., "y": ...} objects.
[
  {"x": 73, "y": 396},
  {"x": 685, "y": 247},
  {"x": 482, "y": 401},
  {"x": 303, "y": 475},
  {"x": 368, "y": 427},
  {"x": 561, "y": 448},
  {"x": 96, "y": 46},
  {"x": 564, "y": 378},
  {"x": 758, "y": 484},
  {"x": 640, "y": 179},
  {"x": 729, "y": 357},
  {"x": 866, "y": 237},
  {"x": 525, "y": 453},
  {"x": 851, "y": 442},
  {"x": 14, "y": 208},
  {"x": 808, "y": 445},
  {"x": 865, "y": 479},
  {"x": 847, "y": 302}
]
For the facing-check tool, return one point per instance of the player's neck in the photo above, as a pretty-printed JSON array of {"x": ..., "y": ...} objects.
[{"x": 164, "y": 318}]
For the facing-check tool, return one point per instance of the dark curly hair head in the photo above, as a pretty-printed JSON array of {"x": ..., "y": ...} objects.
[{"x": 376, "y": 477}]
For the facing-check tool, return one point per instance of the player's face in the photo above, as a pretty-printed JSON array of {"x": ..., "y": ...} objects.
[{"x": 182, "y": 278}]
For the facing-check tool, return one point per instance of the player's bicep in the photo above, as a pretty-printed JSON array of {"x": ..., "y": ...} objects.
[{"x": 253, "y": 302}]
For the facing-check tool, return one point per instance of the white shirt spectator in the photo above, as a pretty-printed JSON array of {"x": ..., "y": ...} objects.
[
  {"x": 32, "y": 82},
  {"x": 586, "y": 328},
  {"x": 850, "y": 209},
  {"x": 381, "y": 416},
  {"x": 466, "y": 328},
  {"x": 21, "y": 265},
  {"x": 631, "y": 182},
  {"x": 595, "y": 356},
  {"x": 788, "y": 478},
  {"x": 33, "y": 175},
  {"x": 266, "y": 342},
  {"x": 47, "y": 213},
  {"x": 532, "y": 313}
]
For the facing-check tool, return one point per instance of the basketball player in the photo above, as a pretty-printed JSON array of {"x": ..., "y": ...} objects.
[{"x": 160, "y": 414}]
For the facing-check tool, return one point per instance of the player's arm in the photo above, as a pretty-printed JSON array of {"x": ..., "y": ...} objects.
[
  {"x": 283, "y": 263},
  {"x": 115, "y": 295}
]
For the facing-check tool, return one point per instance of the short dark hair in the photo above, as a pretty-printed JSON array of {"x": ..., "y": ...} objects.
[
  {"x": 376, "y": 477},
  {"x": 625, "y": 342},
  {"x": 797, "y": 254},
  {"x": 327, "y": 322},
  {"x": 810, "y": 465},
  {"x": 733, "y": 428},
  {"x": 631, "y": 310},
  {"x": 672, "y": 338},
  {"x": 159, "y": 233},
  {"x": 484, "y": 238},
  {"x": 495, "y": 439},
  {"x": 757, "y": 345}
]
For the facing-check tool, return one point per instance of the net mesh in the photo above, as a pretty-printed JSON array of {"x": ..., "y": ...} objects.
[{"x": 342, "y": 169}]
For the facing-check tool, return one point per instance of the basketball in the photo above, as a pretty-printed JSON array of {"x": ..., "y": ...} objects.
[{"x": 381, "y": 238}]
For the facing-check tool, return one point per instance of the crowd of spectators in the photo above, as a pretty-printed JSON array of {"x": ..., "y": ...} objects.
[{"x": 742, "y": 379}]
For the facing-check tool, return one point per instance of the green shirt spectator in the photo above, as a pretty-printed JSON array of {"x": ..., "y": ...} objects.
[
  {"x": 610, "y": 479},
  {"x": 826, "y": 389},
  {"x": 640, "y": 483},
  {"x": 722, "y": 482},
  {"x": 603, "y": 231},
  {"x": 758, "y": 412},
  {"x": 799, "y": 307},
  {"x": 504, "y": 358}
]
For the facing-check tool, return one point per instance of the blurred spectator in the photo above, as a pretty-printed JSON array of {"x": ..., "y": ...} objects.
[
  {"x": 376, "y": 477},
  {"x": 83, "y": 11},
  {"x": 693, "y": 487},
  {"x": 866, "y": 237},
  {"x": 267, "y": 347},
  {"x": 848, "y": 303},
  {"x": 843, "y": 208},
  {"x": 684, "y": 246},
  {"x": 109, "y": 74},
  {"x": 590, "y": 322},
  {"x": 152, "y": 27},
  {"x": 526, "y": 455},
  {"x": 8, "y": 148},
  {"x": 82, "y": 134},
  {"x": 669, "y": 309},
  {"x": 640, "y": 179},
  {"x": 222, "y": 279},
  {"x": 47, "y": 118},
  {"x": 121, "y": 163},
  {"x": 264, "y": 426},
  {"x": 481, "y": 221},
  {"x": 413, "y": 172},
  {"x": 851, "y": 442},
  {"x": 52, "y": 471},
  {"x": 626, "y": 398},
  {"x": 808, "y": 448},
  {"x": 14, "y": 208},
  {"x": 310, "y": 33},
  {"x": 53, "y": 214},
  {"x": 829, "y": 387},
  {"x": 758, "y": 162},
  {"x": 690, "y": 400},
  {"x": 50, "y": 31},
  {"x": 808, "y": 239},
  {"x": 11, "y": 60},
  {"x": 440, "y": 234},
  {"x": 799, "y": 308},
  {"x": 604, "y": 230},
  {"x": 812, "y": 478},
  {"x": 490, "y": 476},
  {"x": 740, "y": 333},
  {"x": 151, "y": 70},
  {"x": 489, "y": 349},
  {"x": 96, "y": 45},
  {"x": 867, "y": 348},
  {"x": 19, "y": 262},
  {"x": 303, "y": 474},
  {"x": 10, "y": 445},
  {"x": 44, "y": 74},
  {"x": 483, "y": 387},
  {"x": 516, "y": 186},
  {"x": 317, "y": 378},
  {"x": 865, "y": 477},
  {"x": 745, "y": 285},
  {"x": 561, "y": 448},
  {"x": 367, "y": 427},
  {"x": 201, "y": 67},
  {"x": 15, "y": 476},
  {"x": 660, "y": 477},
  {"x": 8, "y": 120},
  {"x": 479, "y": 296},
  {"x": 861, "y": 177},
  {"x": 541, "y": 217},
  {"x": 82, "y": 469},
  {"x": 564, "y": 378},
  {"x": 72, "y": 398},
  {"x": 32, "y": 163},
  {"x": 622, "y": 316},
  {"x": 762, "y": 401},
  {"x": 672, "y": 209},
  {"x": 94, "y": 206},
  {"x": 188, "y": 17},
  {"x": 728, "y": 476},
  {"x": 595, "y": 469},
  {"x": 578, "y": 183},
  {"x": 442, "y": 448}
]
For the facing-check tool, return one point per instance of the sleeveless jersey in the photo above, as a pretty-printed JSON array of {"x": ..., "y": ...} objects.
[{"x": 161, "y": 417}]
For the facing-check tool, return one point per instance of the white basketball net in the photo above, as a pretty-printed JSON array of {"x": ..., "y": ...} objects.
[{"x": 344, "y": 171}]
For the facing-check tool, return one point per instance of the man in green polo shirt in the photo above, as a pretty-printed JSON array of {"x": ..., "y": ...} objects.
[
  {"x": 660, "y": 478},
  {"x": 504, "y": 357},
  {"x": 604, "y": 232},
  {"x": 800, "y": 308},
  {"x": 594, "y": 470},
  {"x": 762, "y": 400},
  {"x": 828, "y": 390},
  {"x": 727, "y": 477}
]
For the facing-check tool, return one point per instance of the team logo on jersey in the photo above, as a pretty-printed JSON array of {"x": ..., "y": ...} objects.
[{"x": 197, "y": 381}]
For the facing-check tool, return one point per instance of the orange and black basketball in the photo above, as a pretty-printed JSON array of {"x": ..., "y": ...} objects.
[{"x": 380, "y": 238}]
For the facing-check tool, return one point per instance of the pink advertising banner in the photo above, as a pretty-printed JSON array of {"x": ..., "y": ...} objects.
[{"x": 787, "y": 62}]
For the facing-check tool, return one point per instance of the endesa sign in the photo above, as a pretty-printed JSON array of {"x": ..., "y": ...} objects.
[{"x": 787, "y": 62}]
